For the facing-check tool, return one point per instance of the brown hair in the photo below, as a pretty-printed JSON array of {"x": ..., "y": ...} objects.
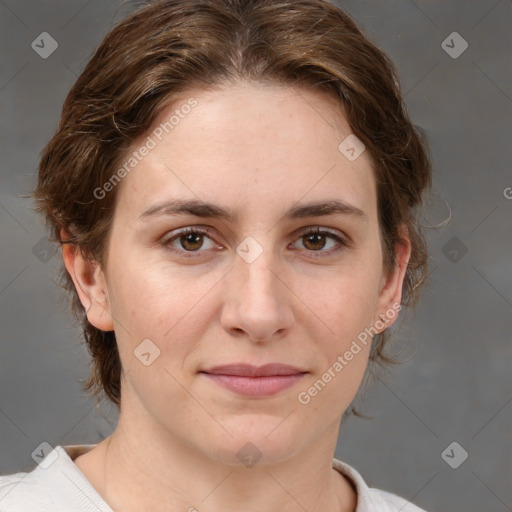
[{"x": 171, "y": 46}]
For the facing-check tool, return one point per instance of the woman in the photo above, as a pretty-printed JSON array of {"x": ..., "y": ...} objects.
[{"x": 235, "y": 185}]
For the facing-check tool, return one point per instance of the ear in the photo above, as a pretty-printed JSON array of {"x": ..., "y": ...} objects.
[
  {"x": 90, "y": 285},
  {"x": 390, "y": 294}
]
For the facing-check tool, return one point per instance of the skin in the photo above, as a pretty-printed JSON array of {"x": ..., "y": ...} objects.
[{"x": 259, "y": 150}]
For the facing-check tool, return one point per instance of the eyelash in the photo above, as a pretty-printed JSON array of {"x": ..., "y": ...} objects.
[{"x": 191, "y": 254}]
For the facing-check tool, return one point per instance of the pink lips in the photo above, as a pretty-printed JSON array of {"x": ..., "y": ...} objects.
[{"x": 254, "y": 381}]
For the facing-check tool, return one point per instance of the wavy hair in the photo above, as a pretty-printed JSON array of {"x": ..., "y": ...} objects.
[{"x": 170, "y": 46}]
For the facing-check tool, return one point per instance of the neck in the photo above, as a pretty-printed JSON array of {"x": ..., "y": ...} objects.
[{"x": 148, "y": 468}]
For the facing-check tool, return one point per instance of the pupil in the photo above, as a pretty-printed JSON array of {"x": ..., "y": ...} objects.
[
  {"x": 193, "y": 239},
  {"x": 317, "y": 237}
]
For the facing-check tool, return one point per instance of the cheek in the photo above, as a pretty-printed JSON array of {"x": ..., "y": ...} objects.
[
  {"x": 342, "y": 301},
  {"x": 159, "y": 301},
  {"x": 344, "y": 314}
]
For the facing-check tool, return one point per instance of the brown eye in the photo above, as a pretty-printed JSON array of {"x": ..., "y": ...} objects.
[
  {"x": 191, "y": 241},
  {"x": 315, "y": 240},
  {"x": 187, "y": 241}
]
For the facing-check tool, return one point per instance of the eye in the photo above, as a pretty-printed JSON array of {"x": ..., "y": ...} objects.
[
  {"x": 189, "y": 240},
  {"x": 314, "y": 240}
]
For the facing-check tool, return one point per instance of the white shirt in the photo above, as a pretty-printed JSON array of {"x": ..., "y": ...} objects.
[{"x": 57, "y": 485}]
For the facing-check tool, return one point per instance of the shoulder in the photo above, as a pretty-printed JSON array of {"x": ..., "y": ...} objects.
[
  {"x": 24, "y": 491},
  {"x": 394, "y": 502},
  {"x": 54, "y": 485},
  {"x": 370, "y": 499}
]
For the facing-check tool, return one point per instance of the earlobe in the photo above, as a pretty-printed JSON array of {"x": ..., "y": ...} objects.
[{"x": 90, "y": 284}]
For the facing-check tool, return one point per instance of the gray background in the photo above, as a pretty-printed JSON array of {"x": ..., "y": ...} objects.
[{"x": 456, "y": 385}]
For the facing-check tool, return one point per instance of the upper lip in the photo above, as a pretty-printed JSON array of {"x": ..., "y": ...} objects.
[{"x": 247, "y": 370}]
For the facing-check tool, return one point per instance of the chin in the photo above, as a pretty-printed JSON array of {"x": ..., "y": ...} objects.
[{"x": 256, "y": 442}]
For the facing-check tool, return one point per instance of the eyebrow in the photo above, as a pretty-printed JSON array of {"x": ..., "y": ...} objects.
[{"x": 209, "y": 210}]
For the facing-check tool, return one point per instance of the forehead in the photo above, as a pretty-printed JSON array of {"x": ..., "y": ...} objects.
[{"x": 246, "y": 144}]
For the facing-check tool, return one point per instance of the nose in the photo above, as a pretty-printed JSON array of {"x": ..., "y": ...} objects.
[{"x": 258, "y": 300}]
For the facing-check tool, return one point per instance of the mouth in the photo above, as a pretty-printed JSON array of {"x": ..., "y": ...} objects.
[{"x": 253, "y": 381}]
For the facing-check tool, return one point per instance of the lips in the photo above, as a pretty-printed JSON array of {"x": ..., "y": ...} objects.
[
  {"x": 245, "y": 370},
  {"x": 255, "y": 381}
]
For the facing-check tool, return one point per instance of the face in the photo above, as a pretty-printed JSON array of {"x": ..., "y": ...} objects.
[{"x": 269, "y": 282}]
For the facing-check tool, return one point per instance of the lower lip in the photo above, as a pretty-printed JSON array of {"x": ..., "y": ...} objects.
[{"x": 256, "y": 386}]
